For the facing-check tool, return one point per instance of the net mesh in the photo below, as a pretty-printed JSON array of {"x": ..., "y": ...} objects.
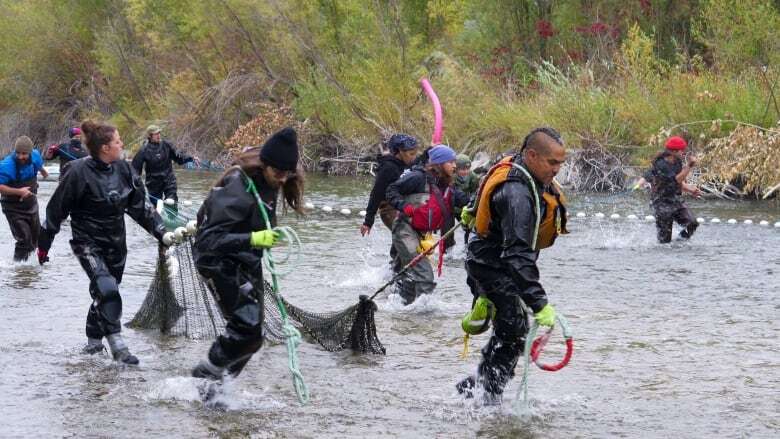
[{"x": 179, "y": 303}]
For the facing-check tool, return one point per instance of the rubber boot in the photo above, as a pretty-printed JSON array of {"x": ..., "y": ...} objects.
[
  {"x": 94, "y": 346},
  {"x": 406, "y": 290},
  {"x": 689, "y": 230},
  {"x": 119, "y": 350},
  {"x": 207, "y": 369}
]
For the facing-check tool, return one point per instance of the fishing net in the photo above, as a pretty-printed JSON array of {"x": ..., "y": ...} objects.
[{"x": 179, "y": 303}]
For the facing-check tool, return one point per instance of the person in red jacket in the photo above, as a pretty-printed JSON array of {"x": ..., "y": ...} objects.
[{"x": 425, "y": 198}]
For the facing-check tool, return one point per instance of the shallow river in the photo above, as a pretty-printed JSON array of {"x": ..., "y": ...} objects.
[{"x": 670, "y": 341}]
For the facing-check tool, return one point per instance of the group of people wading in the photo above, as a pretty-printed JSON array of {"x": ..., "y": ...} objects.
[{"x": 512, "y": 212}]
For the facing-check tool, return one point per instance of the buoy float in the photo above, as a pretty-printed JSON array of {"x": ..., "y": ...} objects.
[
  {"x": 748, "y": 222},
  {"x": 179, "y": 233},
  {"x": 777, "y": 224},
  {"x": 714, "y": 220},
  {"x": 192, "y": 227},
  {"x": 362, "y": 213},
  {"x": 327, "y": 209},
  {"x": 170, "y": 201},
  {"x": 732, "y": 221},
  {"x": 700, "y": 220},
  {"x": 649, "y": 218},
  {"x": 309, "y": 205},
  {"x": 186, "y": 203},
  {"x": 763, "y": 223},
  {"x": 580, "y": 214},
  {"x": 599, "y": 215},
  {"x": 632, "y": 217},
  {"x": 345, "y": 211},
  {"x": 614, "y": 216}
]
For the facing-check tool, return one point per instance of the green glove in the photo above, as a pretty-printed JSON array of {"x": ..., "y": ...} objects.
[
  {"x": 546, "y": 317},
  {"x": 467, "y": 217},
  {"x": 478, "y": 319},
  {"x": 263, "y": 238}
]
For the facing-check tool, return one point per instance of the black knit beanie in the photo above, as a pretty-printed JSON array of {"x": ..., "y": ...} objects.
[{"x": 281, "y": 150}]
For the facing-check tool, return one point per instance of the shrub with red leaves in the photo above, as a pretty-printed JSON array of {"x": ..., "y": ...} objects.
[{"x": 545, "y": 29}]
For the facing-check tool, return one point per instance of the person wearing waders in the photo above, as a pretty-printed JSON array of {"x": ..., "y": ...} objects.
[
  {"x": 230, "y": 241},
  {"x": 424, "y": 198},
  {"x": 68, "y": 151},
  {"x": 18, "y": 188},
  {"x": 97, "y": 192},
  {"x": 667, "y": 177},
  {"x": 155, "y": 158},
  {"x": 403, "y": 150},
  {"x": 501, "y": 257}
]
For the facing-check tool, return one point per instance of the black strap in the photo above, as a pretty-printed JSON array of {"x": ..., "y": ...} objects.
[{"x": 446, "y": 213}]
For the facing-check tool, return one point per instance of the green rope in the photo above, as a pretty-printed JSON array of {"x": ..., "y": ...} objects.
[
  {"x": 522, "y": 407},
  {"x": 291, "y": 333}
]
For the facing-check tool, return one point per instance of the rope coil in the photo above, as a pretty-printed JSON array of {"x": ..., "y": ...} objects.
[
  {"x": 291, "y": 334},
  {"x": 539, "y": 343},
  {"x": 533, "y": 348}
]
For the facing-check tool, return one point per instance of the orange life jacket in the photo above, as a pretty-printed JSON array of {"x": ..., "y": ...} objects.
[{"x": 547, "y": 228}]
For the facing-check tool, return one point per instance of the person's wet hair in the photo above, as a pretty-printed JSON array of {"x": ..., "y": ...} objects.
[{"x": 96, "y": 134}]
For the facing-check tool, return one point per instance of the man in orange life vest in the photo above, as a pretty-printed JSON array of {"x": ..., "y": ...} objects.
[
  {"x": 518, "y": 211},
  {"x": 425, "y": 199}
]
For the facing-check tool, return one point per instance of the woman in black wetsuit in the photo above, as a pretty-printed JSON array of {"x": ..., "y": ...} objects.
[
  {"x": 229, "y": 245},
  {"x": 96, "y": 192}
]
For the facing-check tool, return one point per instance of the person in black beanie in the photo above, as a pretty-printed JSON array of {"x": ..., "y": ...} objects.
[{"x": 230, "y": 241}]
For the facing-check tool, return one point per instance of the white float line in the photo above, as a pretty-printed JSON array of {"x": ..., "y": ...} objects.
[
  {"x": 599, "y": 215},
  {"x": 700, "y": 220},
  {"x": 328, "y": 209}
]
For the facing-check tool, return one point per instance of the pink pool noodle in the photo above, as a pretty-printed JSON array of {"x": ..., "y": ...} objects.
[{"x": 438, "y": 123}]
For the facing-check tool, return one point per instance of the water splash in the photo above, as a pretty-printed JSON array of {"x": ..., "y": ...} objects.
[{"x": 229, "y": 396}]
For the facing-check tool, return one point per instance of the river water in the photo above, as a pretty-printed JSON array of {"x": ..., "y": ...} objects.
[{"x": 670, "y": 341}]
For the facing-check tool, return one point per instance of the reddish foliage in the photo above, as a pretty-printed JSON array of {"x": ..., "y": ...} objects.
[
  {"x": 646, "y": 6},
  {"x": 598, "y": 29},
  {"x": 575, "y": 55},
  {"x": 545, "y": 29}
]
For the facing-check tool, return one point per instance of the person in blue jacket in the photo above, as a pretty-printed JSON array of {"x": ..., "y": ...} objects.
[{"x": 18, "y": 188}]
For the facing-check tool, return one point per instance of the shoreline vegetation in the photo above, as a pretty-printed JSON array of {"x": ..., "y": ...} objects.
[{"x": 616, "y": 78}]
